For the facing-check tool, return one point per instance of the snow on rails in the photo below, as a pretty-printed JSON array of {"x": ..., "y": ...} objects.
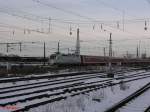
[{"x": 40, "y": 92}]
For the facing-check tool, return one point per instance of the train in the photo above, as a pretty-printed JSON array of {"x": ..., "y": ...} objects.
[{"x": 72, "y": 59}]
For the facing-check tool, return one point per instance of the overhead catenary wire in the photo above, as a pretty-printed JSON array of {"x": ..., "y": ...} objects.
[
  {"x": 66, "y": 11},
  {"x": 10, "y": 26},
  {"x": 52, "y": 19},
  {"x": 77, "y": 14},
  {"x": 121, "y": 40},
  {"x": 35, "y": 18}
]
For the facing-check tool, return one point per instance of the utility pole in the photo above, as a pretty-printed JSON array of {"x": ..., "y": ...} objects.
[
  {"x": 145, "y": 53},
  {"x": 77, "y": 52},
  {"x": 20, "y": 46},
  {"x": 137, "y": 52},
  {"x": 110, "y": 46},
  {"x": 139, "y": 48},
  {"x": 110, "y": 73},
  {"x": 7, "y": 46},
  {"x": 68, "y": 50},
  {"x": 58, "y": 51},
  {"x": 104, "y": 50},
  {"x": 44, "y": 53},
  {"x": 127, "y": 54}
]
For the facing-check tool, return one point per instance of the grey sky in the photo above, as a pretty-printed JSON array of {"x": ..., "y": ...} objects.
[{"x": 107, "y": 12}]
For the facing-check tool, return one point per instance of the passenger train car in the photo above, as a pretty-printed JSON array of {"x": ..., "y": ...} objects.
[{"x": 72, "y": 59}]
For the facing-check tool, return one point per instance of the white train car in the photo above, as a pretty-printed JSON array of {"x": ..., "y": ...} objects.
[{"x": 64, "y": 59}]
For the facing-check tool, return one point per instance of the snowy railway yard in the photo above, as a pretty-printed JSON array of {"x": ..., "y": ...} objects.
[{"x": 88, "y": 92}]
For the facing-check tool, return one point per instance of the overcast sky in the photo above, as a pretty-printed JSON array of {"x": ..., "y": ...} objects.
[{"x": 23, "y": 20}]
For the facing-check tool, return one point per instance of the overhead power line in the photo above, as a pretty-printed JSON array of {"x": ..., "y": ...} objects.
[
  {"x": 91, "y": 21},
  {"x": 36, "y": 18},
  {"x": 79, "y": 15},
  {"x": 61, "y": 9}
]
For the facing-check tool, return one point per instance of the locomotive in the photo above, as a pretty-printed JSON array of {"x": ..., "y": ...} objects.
[{"x": 64, "y": 59}]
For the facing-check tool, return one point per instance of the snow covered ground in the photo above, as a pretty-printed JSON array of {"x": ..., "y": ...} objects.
[
  {"x": 138, "y": 105},
  {"x": 97, "y": 101}
]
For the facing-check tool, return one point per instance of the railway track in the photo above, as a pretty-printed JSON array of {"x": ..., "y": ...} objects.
[
  {"x": 36, "y": 77},
  {"x": 72, "y": 91},
  {"x": 102, "y": 75},
  {"x": 147, "y": 109},
  {"x": 15, "y": 79},
  {"x": 135, "y": 102},
  {"x": 35, "y": 95},
  {"x": 49, "y": 83}
]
